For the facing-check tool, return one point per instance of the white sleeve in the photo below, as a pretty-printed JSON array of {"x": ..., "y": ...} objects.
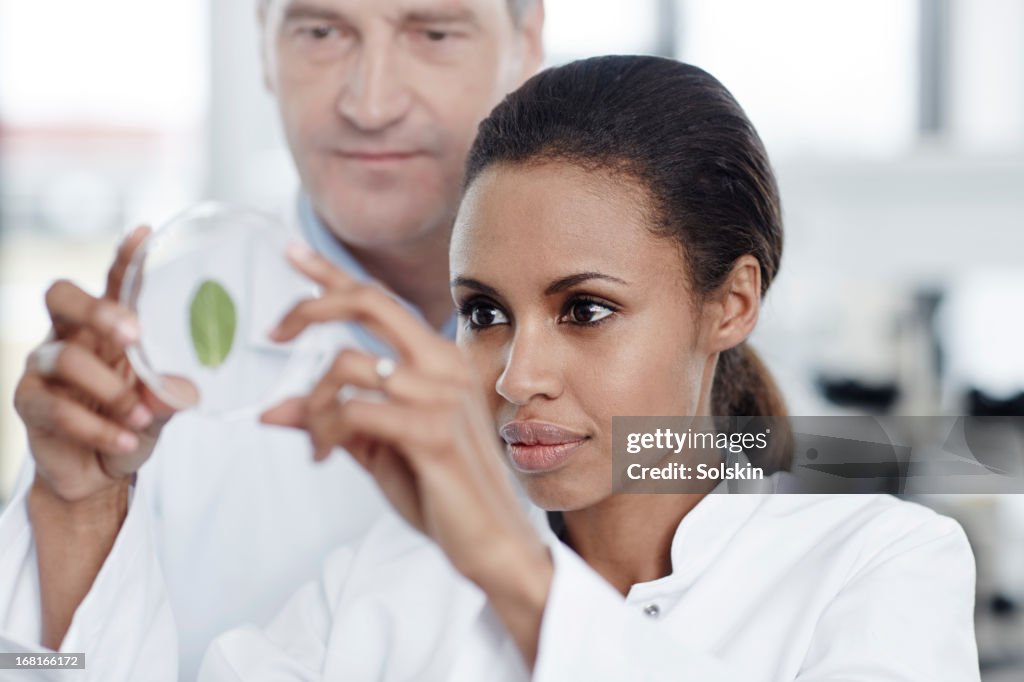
[
  {"x": 294, "y": 645},
  {"x": 124, "y": 625},
  {"x": 908, "y": 616}
]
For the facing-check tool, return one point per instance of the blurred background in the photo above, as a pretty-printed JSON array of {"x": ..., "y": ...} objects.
[{"x": 896, "y": 128}]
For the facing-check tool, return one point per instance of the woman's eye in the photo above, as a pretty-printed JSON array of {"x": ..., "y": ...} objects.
[
  {"x": 435, "y": 36},
  {"x": 486, "y": 315},
  {"x": 587, "y": 312}
]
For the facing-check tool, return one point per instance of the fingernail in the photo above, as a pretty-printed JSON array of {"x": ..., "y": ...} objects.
[
  {"x": 127, "y": 442},
  {"x": 132, "y": 233},
  {"x": 139, "y": 418},
  {"x": 300, "y": 252},
  {"x": 125, "y": 329},
  {"x": 126, "y": 332}
]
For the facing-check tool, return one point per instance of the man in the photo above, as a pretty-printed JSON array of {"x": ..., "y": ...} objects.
[{"x": 379, "y": 101}]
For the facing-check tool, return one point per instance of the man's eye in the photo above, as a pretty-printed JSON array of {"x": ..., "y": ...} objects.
[
  {"x": 436, "y": 36},
  {"x": 483, "y": 315},
  {"x": 587, "y": 312},
  {"x": 321, "y": 32}
]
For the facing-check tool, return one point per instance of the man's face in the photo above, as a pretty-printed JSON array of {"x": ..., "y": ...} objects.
[{"x": 381, "y": 99}]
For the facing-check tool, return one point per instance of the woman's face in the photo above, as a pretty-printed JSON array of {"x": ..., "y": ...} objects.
[{"x": 573, "y": 312}]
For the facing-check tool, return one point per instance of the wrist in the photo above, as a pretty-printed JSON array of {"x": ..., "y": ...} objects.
[
  {"x": 100, "y": 510},
  {"x": 518, "y": 593},
  {"x": 73, "y": 539},
  {"x": 519, "y": 573}
]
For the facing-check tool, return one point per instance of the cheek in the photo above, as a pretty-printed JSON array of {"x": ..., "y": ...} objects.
[
  {"x": 461, "y": 98},
  {"x": 486, "y": 360},
  {"x": 304, "y": 113},
  {"x": 648, "y": 372}
]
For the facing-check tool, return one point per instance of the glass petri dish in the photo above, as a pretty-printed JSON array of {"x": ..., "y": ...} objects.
[{"x": 207, "y": 288}]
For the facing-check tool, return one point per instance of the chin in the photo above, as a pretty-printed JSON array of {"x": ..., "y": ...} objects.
[
  {"x": 557, "y": 492},
  {"x": 377, "y": 223}
]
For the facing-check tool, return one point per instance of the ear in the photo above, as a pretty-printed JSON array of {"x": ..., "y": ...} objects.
[
  {"x": 532, "y": 30},
  {"x": 266, "y": 43},
  {"x": 738, "y": 304}
]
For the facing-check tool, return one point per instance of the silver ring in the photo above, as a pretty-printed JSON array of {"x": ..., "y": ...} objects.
[
  {"x": 44, "y": 358},
  {"x": 384, "y": 368}
]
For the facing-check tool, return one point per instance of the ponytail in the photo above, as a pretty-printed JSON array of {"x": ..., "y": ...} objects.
[{"x": 744, "y": 387}]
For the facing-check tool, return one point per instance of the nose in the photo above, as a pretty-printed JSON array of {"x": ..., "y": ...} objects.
[
  {"x": 532, "y": 369},
  {"x": 376, "y": 96}
]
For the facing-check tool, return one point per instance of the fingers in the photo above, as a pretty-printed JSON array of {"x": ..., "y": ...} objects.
[
  {"x": 73, "y": 365},
  {"x": 184, "y": 393},
  {"x": 380, "y": 313},
  {"x": 72, "y": 309},
  {"x": 43, "y": 360},
  {"x": 404, "y": 384},
  {"x": 339, "y": 424},
  {"x": 317, "y": 268},
  {"x": 351, "y": 301},
  {"x": 287, "y": 413},
  {"x": 125, "y": 252},
  {"x": 59, "y": 414}
]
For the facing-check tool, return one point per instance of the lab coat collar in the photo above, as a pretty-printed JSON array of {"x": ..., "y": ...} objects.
[{"x": 702, "y": 535}]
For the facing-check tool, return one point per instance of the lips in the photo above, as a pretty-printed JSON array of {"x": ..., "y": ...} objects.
[
  {"x": 378, "y": 156},
  {"x": 538, "y": 446}
]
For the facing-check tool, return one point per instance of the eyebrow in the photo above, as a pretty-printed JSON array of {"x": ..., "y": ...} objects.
[
  {"x": 475, "y": 285},
  {"x": 558, "y": 286},
  {"x": 458, "y": 15},
  {"x": 569, "y": 282},
  {"x": 305, "y": 10},
  {"x": 302, "y": 10}
]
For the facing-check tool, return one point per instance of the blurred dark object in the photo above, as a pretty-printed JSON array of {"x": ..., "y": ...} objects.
[
  {"x": 1001, "y": 605},
  {"x": 856, "y": 394},
  {"x": 980, "y": 404}
]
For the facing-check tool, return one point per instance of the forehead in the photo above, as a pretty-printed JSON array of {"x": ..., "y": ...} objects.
[
  {"x": 390, "y": 7},
  {"x": 554, "y": 218}
]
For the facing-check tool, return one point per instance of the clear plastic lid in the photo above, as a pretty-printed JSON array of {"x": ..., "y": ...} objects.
[{"x": 207, "y": 288}]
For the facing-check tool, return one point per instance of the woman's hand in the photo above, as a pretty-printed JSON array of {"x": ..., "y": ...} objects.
[{"x": 430, "y": 443}]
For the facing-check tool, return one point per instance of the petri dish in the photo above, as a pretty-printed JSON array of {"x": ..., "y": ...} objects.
[{"x": 207, "y": 288}]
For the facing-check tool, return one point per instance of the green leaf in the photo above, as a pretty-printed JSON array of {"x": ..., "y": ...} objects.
[{"x": 212, "y": 315}]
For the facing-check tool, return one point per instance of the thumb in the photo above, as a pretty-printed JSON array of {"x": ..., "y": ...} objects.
[{"x": 179, "y": 394}]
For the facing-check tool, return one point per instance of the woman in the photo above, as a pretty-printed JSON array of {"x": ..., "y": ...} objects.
[{"x": 619, "y": 228}]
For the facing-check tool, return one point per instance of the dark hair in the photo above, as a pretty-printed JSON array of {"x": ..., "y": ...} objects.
[{"x": 682, "y": 135}]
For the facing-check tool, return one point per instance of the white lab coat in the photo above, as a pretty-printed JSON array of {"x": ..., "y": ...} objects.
[
  {"x": 816, "y": 588},
  {"x": 764, "y": 588},
  {"x": 237, "y": 514}
]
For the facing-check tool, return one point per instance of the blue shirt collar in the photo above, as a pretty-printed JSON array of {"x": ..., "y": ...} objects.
[{"x": 325, "y": 243}]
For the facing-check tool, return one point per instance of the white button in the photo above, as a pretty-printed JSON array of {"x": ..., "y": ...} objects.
[{"x": 652, "y": 610}]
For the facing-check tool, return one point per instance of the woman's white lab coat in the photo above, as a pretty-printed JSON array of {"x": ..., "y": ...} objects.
[{"x": 764, "y": 587}]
